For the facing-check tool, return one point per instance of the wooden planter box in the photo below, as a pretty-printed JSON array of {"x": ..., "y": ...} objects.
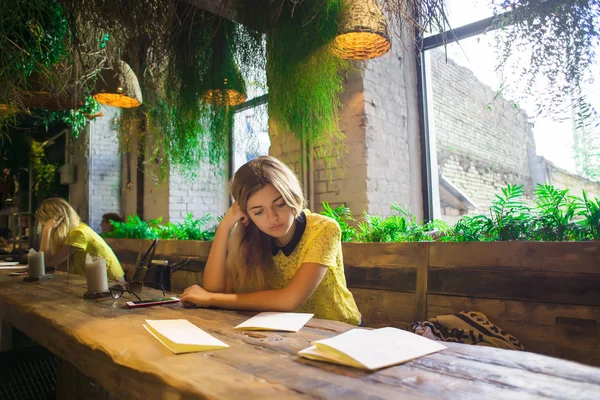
[{"x": 545, "y": 294}]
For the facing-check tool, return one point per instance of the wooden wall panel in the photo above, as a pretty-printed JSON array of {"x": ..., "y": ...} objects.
[
  {"x": 516, "y": 284},
  {"x": 385, "y": 308},
  {"x": 564, "y": 331},
  {"x": 569, "y": 257}
]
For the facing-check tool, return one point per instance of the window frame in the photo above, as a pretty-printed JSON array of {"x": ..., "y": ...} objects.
[{"x": 425, "y": 44}]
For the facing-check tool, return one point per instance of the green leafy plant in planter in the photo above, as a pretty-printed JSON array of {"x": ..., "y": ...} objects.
[
  {"x": 555, "y": 213},
  {"x": 509, "y": 219},
  {"x": 509, "y": 214},
  {"x": 402, "y": 227},
  {"x": 589, "y": 213},
  {"x": 133, "y": 228},
  {"x": 342, "y": 215},
  {"x": 471, "y": 229},
  {"x": 189, "y": 229}
]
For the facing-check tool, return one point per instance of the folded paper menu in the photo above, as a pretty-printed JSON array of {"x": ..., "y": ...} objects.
[
  {"x": 181, "y": 336},
  {"x": 275, "y": 321},
  {"x": 371, "y": 349},
  {"x": 10, "y": 263}
]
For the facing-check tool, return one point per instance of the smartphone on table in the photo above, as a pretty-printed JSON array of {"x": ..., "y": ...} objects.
[{"x": 152, "y": 302}]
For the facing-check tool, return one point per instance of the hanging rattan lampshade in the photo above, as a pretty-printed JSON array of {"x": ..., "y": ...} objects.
[
  {"x": 362, "y": 31},
  {"x": 118, "y": 87},
  {"x": 224, "y": 84}
]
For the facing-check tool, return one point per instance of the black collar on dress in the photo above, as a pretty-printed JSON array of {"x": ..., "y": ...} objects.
[{"x": 291, "y": 246}]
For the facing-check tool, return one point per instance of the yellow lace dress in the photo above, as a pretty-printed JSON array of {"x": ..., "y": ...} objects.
[
  {"x": 87, "y": 241},
  {"x": 321, "y": 244}
]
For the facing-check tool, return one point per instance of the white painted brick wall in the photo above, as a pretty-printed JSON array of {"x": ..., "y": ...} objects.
[
  {"x": 391, "y": 134},
  {"x": 205, "y": 194},
  {"x": 481, "y": 138},
  {"x": 104, "y": 167},
  {"x": 564, "y": 180},
  {"x": 380, "y": 122},
  {"x": 345, "y": 182}
]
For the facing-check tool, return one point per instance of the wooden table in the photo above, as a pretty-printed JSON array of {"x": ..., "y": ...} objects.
[{"x": 108, "y": 343}]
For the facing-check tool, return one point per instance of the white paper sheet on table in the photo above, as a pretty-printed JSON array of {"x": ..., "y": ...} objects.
[
  {"x": 371, "y": 349},
  {"x": 11, "y": 265},
  {"x": 181, "y": 336},
  {"x": 275, "y": 321}
]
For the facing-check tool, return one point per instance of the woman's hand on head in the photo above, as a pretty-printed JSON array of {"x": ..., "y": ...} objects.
[
  {"x": 235, "y": 215},
  {"x": 53, "y": 223},
  {"x": 196, "y": 295}
]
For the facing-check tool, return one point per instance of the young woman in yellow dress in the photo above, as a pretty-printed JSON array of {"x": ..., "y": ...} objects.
[
  {"x": 271, "y": 255},
  {"x": 64, "y": 237}
]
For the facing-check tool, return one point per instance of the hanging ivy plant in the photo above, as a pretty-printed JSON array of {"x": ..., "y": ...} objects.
[
  {"x": 560, "y": 38},
  {"x": 305, "y": 79},
  {"x": 33, "y": 38},
  {"x": 190, "y": 130},
  {"x": 42, "y": 64},
  {"x": 170, "y": 46},
  {"x": 75, "y": 119}
]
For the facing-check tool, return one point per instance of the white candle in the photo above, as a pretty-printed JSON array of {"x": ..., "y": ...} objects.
[
  {"x": 95, "y": 273},
  {"x": 35, "y": 262}
]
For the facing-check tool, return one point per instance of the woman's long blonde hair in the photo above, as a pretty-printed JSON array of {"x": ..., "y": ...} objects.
[
  {"x": 249, "y": 256},
  {"x": 54, "y": 208}
]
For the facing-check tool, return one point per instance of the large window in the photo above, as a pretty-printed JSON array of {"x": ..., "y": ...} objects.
[
  {"x": 484, "y": 129},
  {"x": 250, "y": 135}
]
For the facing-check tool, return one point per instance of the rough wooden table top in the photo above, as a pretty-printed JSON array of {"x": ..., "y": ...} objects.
[{"x": 108, "y": 343}]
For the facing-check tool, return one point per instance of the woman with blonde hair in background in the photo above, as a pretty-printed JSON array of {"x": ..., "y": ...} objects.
[
  {"x": 64, "y": 236},
  {"x": 271, "y": 255}
]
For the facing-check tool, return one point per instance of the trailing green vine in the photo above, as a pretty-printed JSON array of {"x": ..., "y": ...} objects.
[
  {"x": 305, "y": 79},
  {"x": 560, "y": 38}
]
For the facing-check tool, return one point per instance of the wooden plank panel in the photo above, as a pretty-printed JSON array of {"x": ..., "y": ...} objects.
[
  {"x": 422, "y": 285},
  {"x": 398, "y": 279},
  {"x": 384, "y": 308},
  {"x": 582, "y": 257},
  {"x": 404, "y": 255},
  {"x": 193, "y": 248},
  {"x": 183, "y": 279},
  {"x": 506, "y": 283},
  {"x": 125, "y": 244},
  {"x": 569, "y": 332},
  {"x": 126, "y": 256}
]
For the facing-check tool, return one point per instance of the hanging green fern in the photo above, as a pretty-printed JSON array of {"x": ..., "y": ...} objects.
[
  {"x": 305, "y": 79},
  {"x": 190, "y": 131}
]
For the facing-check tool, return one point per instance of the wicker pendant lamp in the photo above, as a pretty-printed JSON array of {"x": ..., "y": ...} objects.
[
  {"x": 118, "y": 87},
  {"x": 224, "y": 84},
  {"x": 362, "y": 31}
]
